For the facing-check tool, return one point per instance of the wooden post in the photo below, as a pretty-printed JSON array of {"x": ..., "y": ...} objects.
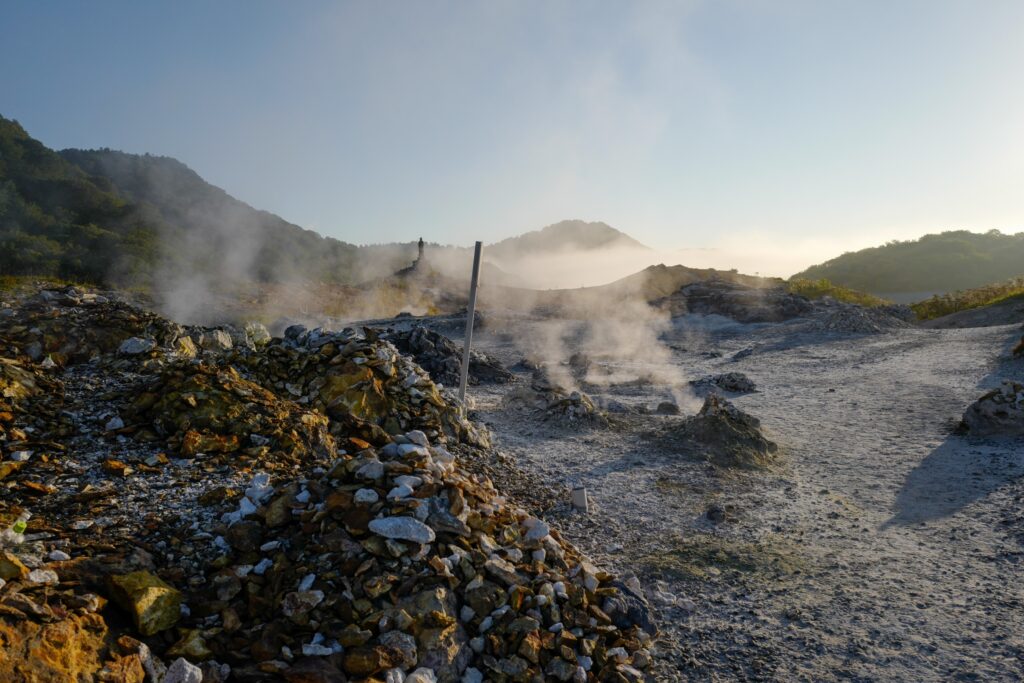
[{"x": 470, "y": 318}]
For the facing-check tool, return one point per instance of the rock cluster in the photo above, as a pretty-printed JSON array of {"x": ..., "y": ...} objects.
[
  {"x": 30, "y": 399},
  {"x": 853, "y": 319},
  {"x": 283, "y": 510},
  {"x": 732, "y": 382},
  {"x": 440, "y": 357},
  {"x": 573, "y": 409},
  {"x": 740, "y": 302},
  {"x": 1000, "y": 412},
  {"x": 395, "y": 561},
  {"x": 724, "y": 435},
  {"x": 202, "y": 410},
  {"x": 361, "y": 383}
]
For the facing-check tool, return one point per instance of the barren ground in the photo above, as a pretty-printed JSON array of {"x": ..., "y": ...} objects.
[{"x": 882, "y": 547}]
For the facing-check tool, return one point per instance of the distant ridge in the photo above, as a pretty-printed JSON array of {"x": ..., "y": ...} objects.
[
  {"x": 945, "y": 262},
  {"x": 568, "y": 235}
]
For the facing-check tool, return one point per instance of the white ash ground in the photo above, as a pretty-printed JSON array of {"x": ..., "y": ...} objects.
[{"x": 882, "y": 547}]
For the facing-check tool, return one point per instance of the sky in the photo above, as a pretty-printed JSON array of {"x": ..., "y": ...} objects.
[{"x": 761, "y": 135}]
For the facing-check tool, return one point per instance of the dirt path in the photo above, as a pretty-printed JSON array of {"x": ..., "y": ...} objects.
[{"x": 883, "y": 548}]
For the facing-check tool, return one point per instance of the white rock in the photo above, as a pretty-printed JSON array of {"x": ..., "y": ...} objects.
[
  {"x": 403, "y": 529},
  {"x": 417, "y": 437},
  {"x": 537, "y": 529},
  {"x": 262, "y": 566},
  {"x": 307, "y": 582},
  {"x": 302, "y": 497},
  {"x": 411, "y": 448},
  {"x": 114, "y": 423},
  {"x": 183, "y": 671},
  {"x": 313, "y": 650},
  {"x": 133, "y": 346},
  {"x": 619, "y": 654},
  {"x": 399, "y": 492},
  {"x": 421, "y": 675},
  {"x": 472, "y": 676},
  {"x": 409, "y": 480},
  {"x": 366, "y": 497},
  {"x": 246, "y": 508},
  {"x": 394, "y": 676},
  {"x": 58, "y": 556},
  {"x": 467, "y": 613},
  {"x": 260, "y": 488},
  {"x": 372, "y": 470},
  {"x": 47, "y": 577},
  {"x": 20, "y": 456}
]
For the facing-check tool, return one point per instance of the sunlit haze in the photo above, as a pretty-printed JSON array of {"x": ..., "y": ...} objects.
[{"x": 755, "y": 135}]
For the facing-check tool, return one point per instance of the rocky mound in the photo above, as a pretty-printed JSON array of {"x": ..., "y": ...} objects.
[
  {"x": 741, "y": 302},
  {"x": 440, "y": 357},
  {"x": 724, "y": 435},
  {"x": 573, "y": 409},
  {"x": 1000, "y": 412},
  {"x": 291, "y": 511},
  {"x": 208, "y": 412},
  {"x": 72, "y": 325},
  {"x": 395, "y": 559},
  {"x": 361, "y": 383},
  {"x": 853, "y": 319},
  {"x": 30, "y": 399},
  {"x": 732, "y": 382}
]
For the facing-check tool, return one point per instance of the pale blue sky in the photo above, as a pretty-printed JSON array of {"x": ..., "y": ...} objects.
[{"x": 789, "y": 130}]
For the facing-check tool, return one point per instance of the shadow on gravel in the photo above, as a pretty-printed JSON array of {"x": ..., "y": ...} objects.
[
  {"x": 962, "y": 469},
  {"x": 954, "y": 475}
]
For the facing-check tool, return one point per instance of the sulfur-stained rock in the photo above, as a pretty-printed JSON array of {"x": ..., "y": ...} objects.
[
  {"x": 11, "y": 567},
  {"x": 70, "y": 649},
  {"x": 153, "y": 604}
]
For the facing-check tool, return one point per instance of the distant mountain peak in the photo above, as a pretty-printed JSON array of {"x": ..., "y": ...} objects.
[{"x": 564, "y": 236}]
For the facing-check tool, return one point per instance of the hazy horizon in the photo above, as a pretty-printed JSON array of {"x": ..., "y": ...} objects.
[{"x": 762, "y": 137}]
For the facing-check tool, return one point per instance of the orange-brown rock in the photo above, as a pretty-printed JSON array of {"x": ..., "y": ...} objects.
[{"x": 72, "y": 649}]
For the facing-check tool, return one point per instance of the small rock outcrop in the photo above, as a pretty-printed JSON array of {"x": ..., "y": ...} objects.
[
  {"x": 724, "y": 435},
  {"x": 1000, "y": 412},
  {"x": 732, "y": 382},
  {"x": 439, "y": 356}
]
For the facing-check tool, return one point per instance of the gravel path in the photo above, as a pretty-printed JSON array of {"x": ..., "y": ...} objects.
[{"x": 882, "y": 547}]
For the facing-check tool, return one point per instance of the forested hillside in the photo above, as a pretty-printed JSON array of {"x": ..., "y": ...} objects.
[
  {"x": 57, "y": 221},
  {"x": 946, "y": 262},
  {"x": 105, "y": 216}
]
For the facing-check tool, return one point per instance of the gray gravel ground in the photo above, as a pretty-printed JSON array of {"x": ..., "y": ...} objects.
[{"x": 881, "y": 548}]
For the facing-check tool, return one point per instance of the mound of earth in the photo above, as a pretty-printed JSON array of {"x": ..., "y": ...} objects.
[
  {"x": 741, "y": 302},
  {"x": 733, "y": 382},
  {"x": 290, "y": 511},
  {"x": 204, "y": 411},
  {"x": 1000, "y": 412},
  {"x": 725, "y": 436},
  {"x": 553, "y": 403},
  {"x": 439, "y": 356},
  {"x": 853, "y": 319},
  {"x": 362, "y": 383}
]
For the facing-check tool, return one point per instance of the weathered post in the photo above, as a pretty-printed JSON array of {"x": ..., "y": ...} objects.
[{"x": 470, "y": 317}]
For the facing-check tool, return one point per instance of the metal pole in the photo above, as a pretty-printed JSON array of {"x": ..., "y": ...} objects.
[{"x": 470, "y": 316}]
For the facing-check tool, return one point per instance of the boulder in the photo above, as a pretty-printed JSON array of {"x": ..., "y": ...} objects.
[{"x": 153, "y": 604}]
